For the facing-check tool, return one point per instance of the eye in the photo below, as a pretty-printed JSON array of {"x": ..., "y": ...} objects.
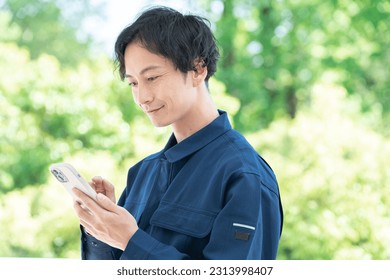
[
  {"x": 133, "y": 84},
  {"x": 151, "y": 79}
]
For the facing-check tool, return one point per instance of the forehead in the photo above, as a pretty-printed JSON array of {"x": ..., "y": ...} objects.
[{"x": 138, "y": 58}]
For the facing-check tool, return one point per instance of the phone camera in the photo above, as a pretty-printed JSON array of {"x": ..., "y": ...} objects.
[{"x": 59, "y": 175}]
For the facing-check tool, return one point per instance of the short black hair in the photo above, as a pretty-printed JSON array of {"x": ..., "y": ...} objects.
[{"x": 183, "y": 39}]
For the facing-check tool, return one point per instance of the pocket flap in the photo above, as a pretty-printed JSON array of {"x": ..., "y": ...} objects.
[{"x": 193, "y": 222}]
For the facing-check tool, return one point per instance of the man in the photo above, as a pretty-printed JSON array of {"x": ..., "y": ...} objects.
[{"x": 207, "y": 194}]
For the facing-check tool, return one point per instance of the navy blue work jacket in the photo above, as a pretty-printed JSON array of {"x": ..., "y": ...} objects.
[{"x": 210, "y": 196}]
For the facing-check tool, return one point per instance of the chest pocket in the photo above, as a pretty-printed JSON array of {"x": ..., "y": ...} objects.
[{"x": 188, "y": 221}]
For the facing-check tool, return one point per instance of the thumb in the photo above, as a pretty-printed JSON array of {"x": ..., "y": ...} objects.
[
  {"x": 109, "y": 190},
  {"x": 106, "y": 203}
]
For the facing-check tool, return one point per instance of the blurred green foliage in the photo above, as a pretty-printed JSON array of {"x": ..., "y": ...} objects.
[
  {"x": 48, "y": 112},
  {"x": 273, "y": 52},
  {"x": 51, "y": 27},
  {"x": 307, "y": 82},
  {"x": 334, "y": 176}
]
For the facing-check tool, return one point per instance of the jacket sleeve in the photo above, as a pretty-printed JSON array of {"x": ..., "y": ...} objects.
[
  {"x": 94, "y": 249},
  {"x": 142, "y": 246},
  {"x": 248, "y": 226}
]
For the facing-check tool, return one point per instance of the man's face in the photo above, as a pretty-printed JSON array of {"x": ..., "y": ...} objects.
[{"x": 164, "y": 93}]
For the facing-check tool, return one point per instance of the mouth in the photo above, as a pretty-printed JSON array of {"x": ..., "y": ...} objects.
[{"x": 154, "y": 110}]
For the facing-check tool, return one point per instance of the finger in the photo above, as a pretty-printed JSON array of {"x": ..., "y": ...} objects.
[
  {"x": 97, "y": 180},
  {"x": 80, "y": 208},
  {"x": 78, "y": 194},
  {"x": 106, "y": 203},
  {"x": 87, "y": 228},
  {"x": 84, "y": 216},
  {"x": 110, "y": 190},
  {"x": 86, "y": 219},
  {"x": 87, "y": 202},
  {"x": 92, "y": 184}
]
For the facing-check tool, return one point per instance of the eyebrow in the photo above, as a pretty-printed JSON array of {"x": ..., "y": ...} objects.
[{"x": 143, "y": 71}]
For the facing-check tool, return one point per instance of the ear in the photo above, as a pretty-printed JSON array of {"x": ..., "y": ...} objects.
[{"x": 199, "y": 73}]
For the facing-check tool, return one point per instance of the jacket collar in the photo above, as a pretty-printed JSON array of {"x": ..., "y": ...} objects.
[{"x": 176, "y": 151}]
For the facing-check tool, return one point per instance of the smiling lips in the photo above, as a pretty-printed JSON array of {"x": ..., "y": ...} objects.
[{"x": 153, "y": 110}]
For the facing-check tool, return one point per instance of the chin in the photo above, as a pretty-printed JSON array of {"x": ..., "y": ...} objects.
[{"x": 159, "y": 123}]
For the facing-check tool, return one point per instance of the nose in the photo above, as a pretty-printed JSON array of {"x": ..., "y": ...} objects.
[{"x": 142, "y": 97}]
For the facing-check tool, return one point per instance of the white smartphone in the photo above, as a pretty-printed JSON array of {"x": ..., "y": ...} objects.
[{"x": 67, "y": 175}]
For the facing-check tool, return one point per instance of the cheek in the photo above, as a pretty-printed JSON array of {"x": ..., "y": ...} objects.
[
  {"x": 170, "y": 94},
  {"x": 178, "y": 102},
  {"x": 177, "y": 96}
]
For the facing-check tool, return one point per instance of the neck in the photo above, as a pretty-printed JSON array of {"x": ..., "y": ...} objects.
[{"x": 199, "y": 116}]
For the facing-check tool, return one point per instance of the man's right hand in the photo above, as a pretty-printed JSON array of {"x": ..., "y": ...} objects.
[{"x": 103, "y": 186}]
